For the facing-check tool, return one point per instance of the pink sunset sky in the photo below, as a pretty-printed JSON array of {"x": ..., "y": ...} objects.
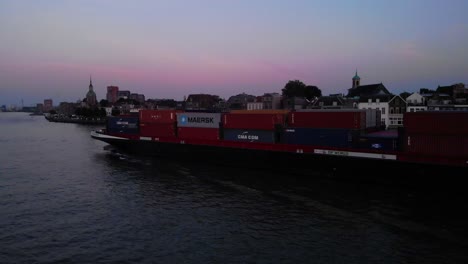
[{"x": 169, "y": 49}]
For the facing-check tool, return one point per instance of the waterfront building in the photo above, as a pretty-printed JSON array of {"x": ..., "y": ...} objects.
[
  {"x": 123, "y": 95},
  {"x": 91, "y": 99},
  {"x": 108, "y": 111},
  {"x": 239, "y": 102},
  {"x": 134, "y": 96},
  {"x": 112, "y": 94},
  {"x": 141, "y": 98},
  {"x": 376, "y": 96},
  {"x": 138, "y": 97},
  {"x": 272, "y": 101},
  {"x": 48, "y": 105},
  {"x": 255, "y": 106},
  {"x": 448, "y": 107},
  {"x": 356, "y": 80},
  {"x": 332, "y": 101},
  {"x": 202, "y": 102},
  {"x": 368, "y": 91},
  {"x": 66, "y": 108},
  {"x": 40, "y": 108},
  {"x": 295, "y": 103},
  {"x": 416, "y": 102},
  {"x": 397, "y": 107},
  {"x": 378, "y": 102}
]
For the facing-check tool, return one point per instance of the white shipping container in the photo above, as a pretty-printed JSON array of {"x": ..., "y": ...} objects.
[{"x": 196, "y": 119}]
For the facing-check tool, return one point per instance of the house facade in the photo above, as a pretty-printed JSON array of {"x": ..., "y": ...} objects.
[
  {"x": 255, "y": 106},
  {"x": 397, "y": 108},
  {"x": 380, "y": 103},
  {"x": 239, "y": 102},
  {"x": 271, "y": 101},
  {"x": 415, "y": 103},
  {"x": 202, "y": 102},
  {"x": 334, "y": 101}
]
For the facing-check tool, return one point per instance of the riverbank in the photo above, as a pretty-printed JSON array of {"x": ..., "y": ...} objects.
[{"x": 86, "y": 121}]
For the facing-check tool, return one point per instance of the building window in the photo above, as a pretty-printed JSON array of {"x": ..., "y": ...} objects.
[{"x": 383, "y": 110}]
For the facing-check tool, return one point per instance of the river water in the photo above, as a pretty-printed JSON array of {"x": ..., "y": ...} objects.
[{"x": 65, "y": 199}]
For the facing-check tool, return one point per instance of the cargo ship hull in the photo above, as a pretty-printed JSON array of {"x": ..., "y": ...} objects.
[
  {"x": 338, "y": 142},
  {"x": 296, "y": 159}
]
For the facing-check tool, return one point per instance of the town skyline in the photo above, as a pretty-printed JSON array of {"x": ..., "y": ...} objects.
[{"x": 173, "y": 49}]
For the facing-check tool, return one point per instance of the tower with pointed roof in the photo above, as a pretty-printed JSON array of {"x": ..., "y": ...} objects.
[
  {"x": 91, "y": 100},
  {"x": 356, "y": 80}
]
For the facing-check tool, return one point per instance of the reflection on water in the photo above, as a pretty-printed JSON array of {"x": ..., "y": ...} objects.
[{"x": 64, "y": 198}]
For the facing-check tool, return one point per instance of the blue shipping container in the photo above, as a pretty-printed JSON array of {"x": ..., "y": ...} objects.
[
  {"x": 126, "y": 125},
  {"x": 320, "y": 137},
  {"x": 246, "y": 135}
]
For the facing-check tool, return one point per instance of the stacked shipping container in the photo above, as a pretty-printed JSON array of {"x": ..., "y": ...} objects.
[
  {"x": 158, "y": 123},
  {"x": 382, "y": 140},
  {"x": 122, "y": 125},
  {"x": 339, "y": 138},
  {"x": 442, "y": 134},
  {"x": 343, "y": 119},
  {"x": 253, "y": 127},
  {"x": 331, "y": 128},
  {"x": 198, "y": 125}
]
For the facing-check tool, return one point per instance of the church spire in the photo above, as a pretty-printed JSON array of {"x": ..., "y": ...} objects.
[
  {"x": 356, "y": 80},
  {"x": 90, "y": 83}
]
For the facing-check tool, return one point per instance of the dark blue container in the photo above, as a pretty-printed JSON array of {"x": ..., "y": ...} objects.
[
  {"x": 248, "y": 135},
  {"x": 340, "y": 138},
  {"x": 125, "y": 125}
]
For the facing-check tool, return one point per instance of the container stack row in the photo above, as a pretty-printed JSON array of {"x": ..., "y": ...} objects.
[
  {"x": 436, "y": 133},
  {"x": 330, "y": 128}
]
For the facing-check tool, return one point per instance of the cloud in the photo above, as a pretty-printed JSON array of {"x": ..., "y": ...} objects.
[{"x": 408, "y": 50}]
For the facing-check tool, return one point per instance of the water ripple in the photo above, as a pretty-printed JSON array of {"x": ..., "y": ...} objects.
[{"x": 64, "y": 199}]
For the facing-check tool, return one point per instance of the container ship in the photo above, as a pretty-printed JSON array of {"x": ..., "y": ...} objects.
[{"x": 347, "y": 140}]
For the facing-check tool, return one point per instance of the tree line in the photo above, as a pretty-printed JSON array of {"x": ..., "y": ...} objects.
[{"x": 296, "y": 88}]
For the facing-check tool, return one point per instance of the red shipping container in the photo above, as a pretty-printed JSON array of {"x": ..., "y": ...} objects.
[
  {"x": 198, "y": 133},
  {"x": 253, "y": 121},
  {"x": 437, "y": 145},
  {"x": 448, "y": 123},
  {"x": 158, "y": 116},
  {"x": 328, "y": 119},
  {"x": 157, "y": 130}
]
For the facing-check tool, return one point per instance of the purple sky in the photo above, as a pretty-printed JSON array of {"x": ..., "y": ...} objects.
[{"x": 168, "y": 49}]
